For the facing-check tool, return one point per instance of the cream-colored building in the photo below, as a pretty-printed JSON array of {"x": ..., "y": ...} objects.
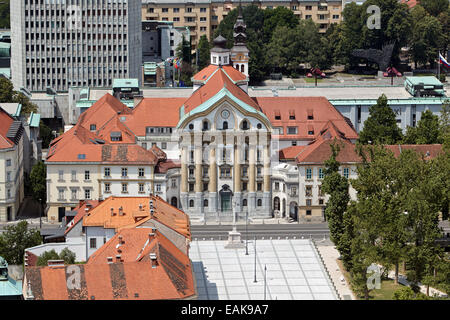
[
  {"x": 11, "y": 166},
  {"x": 202, "y": 17}
]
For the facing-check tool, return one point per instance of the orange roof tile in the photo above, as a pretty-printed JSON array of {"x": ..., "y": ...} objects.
[
  {"x": 290, "y": 152},
  {"x": 204, "y": 74},
  {"x": 218, "y": 81},
  {"x": 430, "y": 151},
  {"x": 81, "y": 212},
  {"x": 5, "y": 122},
  {"x": 154, "y": 112},
  {"x": 115, "y": 125},
  {"x": 116, "y": 281},
  {"x": 321, "y": 110},
  {"x": 135, "y": 211},
  {"x": 102, "y": 111}
]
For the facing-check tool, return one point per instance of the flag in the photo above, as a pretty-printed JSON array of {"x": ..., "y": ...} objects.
[{"x": 443, "y": 61}]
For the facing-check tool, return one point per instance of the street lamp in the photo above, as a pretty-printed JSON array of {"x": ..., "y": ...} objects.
[
  {"x": 246, "y": 233},
  {"x": 255, "y": 262},
  {"x": 40, "y": 214},
  {"x": 265, "y": 281}
]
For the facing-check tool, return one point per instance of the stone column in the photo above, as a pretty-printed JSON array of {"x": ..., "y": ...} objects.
[
  {"x": 198, "y": 178},
  {"x": 184, "y": 180},
  {"x": 251, "y": 201},
  {"x": 212, "y": 198},
  {"x": 237, "y": 176}
]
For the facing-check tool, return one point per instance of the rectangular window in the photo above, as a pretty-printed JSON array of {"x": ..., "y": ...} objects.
[
  {"x": 292, "y": 130},
  {"x": 176, "y": 10},
  {"x": 259, "y": 186},
  {"x": 308, "y": 192},
  {"x": 191, "y": 187},
  {"x": 124, "y": 187},
  {"x": 87, "y": 194},
  {"x": 320, "y": 173},
  {"x": 74, "y": 175},
  {"x": 124, "y": 172},
  {"x": 163, "y": 145},
  {"x": 8, "y": 162},
  {"x": 141, "y": 172},
  {"x": 308, "y": 212},
  {"x": 87, "y": 175},
  {"x": 93, "y": 243},
  {"x": 158, "y": 187},
  {"x": 346, "y": 171},
  {"x": 61, "y": 175},
  {"x": 308, "y": 202},
  {"x": 60, "y": 194},
  {"x": 107, "y": 187},
  {"x": 308, "y": 173},
  {"x": 141, "y": 188},
  {"x": 74, "y": 194},
  {"x": 174, "y": 183},
  {"x": 107, "y": 172}
]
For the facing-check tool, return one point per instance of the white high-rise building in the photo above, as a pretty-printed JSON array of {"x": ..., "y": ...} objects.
[{"x": 63, "y": 43}]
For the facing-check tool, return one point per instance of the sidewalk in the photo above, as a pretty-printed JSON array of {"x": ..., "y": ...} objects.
[
  {"x": 240, "y": 222},
  {"x": 402, "y": 280},
  {"x": 330, "y": 255}
]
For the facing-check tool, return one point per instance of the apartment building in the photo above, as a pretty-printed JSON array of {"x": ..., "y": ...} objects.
[
  {"x": 63, "y": 43},
  {"x": 11, "y": 166},
  {"x": 202, "y": 17}
]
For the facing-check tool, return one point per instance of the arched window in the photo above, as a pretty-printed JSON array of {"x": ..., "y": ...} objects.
[
  {"x": 259, "y": 125},
  {"x": 191, "y": 203},
  {"x": 259, "y": 203},
  {"x": 205, "y": 125},
  {"x": 225, "y": 125},
  {"x": 245, "y": 125},
  {"x": 205, "y": 202},
  {"x": 242, "y": 68},
  {"x": 237, "y": 67},
  {"x": 244, "y": 202}
]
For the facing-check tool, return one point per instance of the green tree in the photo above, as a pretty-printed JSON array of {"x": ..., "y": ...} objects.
[
  {"x": 426, "y": 37},
  {"x": 65, "y": 254},
  {"x": 203, "y": 52},
  {"x": 27, "y": 105},
  {"x": 274, "y": 18},
  {"x": 4, "y": 15},
  {"x": 38, "y": 178},
  {"x": 6, "y": 90},
  {"x": 426, "y": 132},
  {"x": 16, "y": 239},
  {"x": 381, "y": 126},
  {"x": 46, "y": 135},
  {"x": 435, "y": 7},
  {"x": 46, "y": 256},
  {"x": 336, "y": 186},
  {"x": 406, "y": 293}
]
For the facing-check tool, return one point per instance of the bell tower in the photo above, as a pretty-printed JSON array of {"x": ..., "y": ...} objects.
[
  {"x": 240, "y": 52},
  {"x": 220, "y": 55}
]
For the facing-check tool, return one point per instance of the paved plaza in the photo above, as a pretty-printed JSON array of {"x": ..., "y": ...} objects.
[{"x": 294, "y": 271}]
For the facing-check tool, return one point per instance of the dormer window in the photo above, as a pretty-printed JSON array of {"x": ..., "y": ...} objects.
[
  {"x": 116, "y": 136},
  {"x": 93, "y": 127},
  {"x": 214, "y": 59},
  {"x": 291, "y": 115}
]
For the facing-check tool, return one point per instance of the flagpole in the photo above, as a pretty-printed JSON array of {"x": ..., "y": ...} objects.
[{"x": 439, "y": 65}]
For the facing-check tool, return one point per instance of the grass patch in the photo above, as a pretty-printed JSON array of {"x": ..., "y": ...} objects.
[
  {"x": 312, "y": 80},
  {"x": 388, "y": 287},
  {"x": 386, "y": 292}
]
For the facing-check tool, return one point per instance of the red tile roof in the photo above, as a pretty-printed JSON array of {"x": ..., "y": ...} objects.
[
  {"x": 79, "y": 145},
  {"x": 116, "y": 281},
  {"x": 290, "y": 153},
  {"x": 429, "y": 151},
  {"x": 154, "y": 112},
  {"x": 81, "y": 212},
  {"x": 166, "y": 165},
  {"x": 410, "y": 3},
  {"x": 205, "y": 74},
  {"x": 218, "y": 81},
  {"x": 321, "y": 110},
  {"x": 136, "y": 211},
  {"x": 5, "y": 122},
  {"x": 103, "y": 111}
]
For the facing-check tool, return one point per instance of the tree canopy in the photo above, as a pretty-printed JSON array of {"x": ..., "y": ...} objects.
[{"x": 16, "y": 239}]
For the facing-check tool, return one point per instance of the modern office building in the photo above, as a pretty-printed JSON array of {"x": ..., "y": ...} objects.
[
  {"x": 203, "y": 17},
  {"x": 62, "y": 43}
]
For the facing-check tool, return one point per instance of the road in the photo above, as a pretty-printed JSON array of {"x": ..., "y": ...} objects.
[{"x": 315, "y": 231}]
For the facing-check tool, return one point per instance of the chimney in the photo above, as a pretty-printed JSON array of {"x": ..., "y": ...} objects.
[
  {"x": 154, "y": 260},
  {"x": 112, "y": 212},
  {"x": 152, "y": 212},
  {"x": 118, "y": 258},
  {"x": 109, "y": 259},
  {"x": 151, "y": 236},
  {"x": 120, "y": 211},
  {"x": 140, "y": 206},
  {"x": 121, "y": 239}
]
